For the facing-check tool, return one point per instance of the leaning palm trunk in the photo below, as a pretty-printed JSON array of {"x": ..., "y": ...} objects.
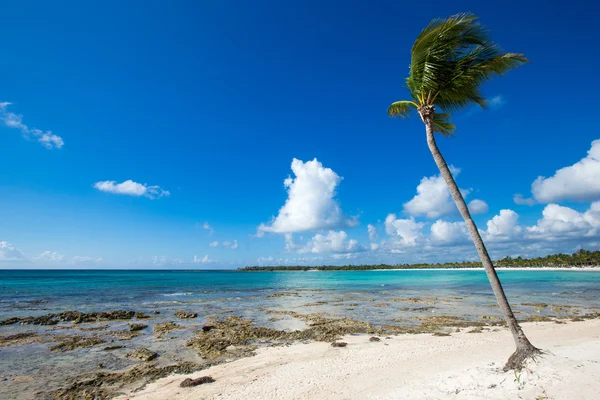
[{"x": 524, "y": 348}]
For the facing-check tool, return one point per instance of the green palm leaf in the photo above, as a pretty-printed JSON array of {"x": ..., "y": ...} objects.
[
  {"x": 401, "y": 108},
  {"x": 450, "y": 60},
  {"x": 442, "y": 124}
]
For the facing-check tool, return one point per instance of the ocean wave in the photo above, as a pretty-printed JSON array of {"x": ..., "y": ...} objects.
[{"x": 177, "y": 294}]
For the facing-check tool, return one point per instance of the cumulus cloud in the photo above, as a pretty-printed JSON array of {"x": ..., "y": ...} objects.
[
  {"x": 203, "y": 260},
  {"x": 477, "y": 206},
  {"x": 406, "y": 231},
  {"x": 213, "y": 244},
  {"x": 433, "y": 198},
  {"x": 444, "y": 232},
  {"x": 8, "y": 252},
  {"x": 503, "y": 226},
  {"x": 519, "y": 199},
  {"x": 311, "y": 203},
  {"x": 131, "y": 188},
  {"x": 332, "y": 242},
  {"x": 561, "y": 222},
  {"x": 578, "y": 182},
  {"x": 373, "y": 236},
  {"x": 12, "y": 120},
  {"x": 51, "y": 256}
]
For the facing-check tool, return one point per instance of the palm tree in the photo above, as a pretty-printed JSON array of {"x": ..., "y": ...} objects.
[{"x": 450, "y": 60}]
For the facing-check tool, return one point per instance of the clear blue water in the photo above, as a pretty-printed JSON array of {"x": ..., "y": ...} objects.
[
  {"x": 101, "y": 289},
  {"x": 380, "y": 297}
]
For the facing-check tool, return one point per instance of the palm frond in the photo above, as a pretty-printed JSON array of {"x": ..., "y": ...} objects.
[
  {"x": 442, "y": 124},
  {"x": 451, "y": 59},
  {"x": 401, "y": 108}
]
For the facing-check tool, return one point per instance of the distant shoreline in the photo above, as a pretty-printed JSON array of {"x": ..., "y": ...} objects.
[{"x": 327, "y": 269}]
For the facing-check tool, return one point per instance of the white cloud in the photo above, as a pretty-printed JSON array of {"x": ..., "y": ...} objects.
[
  {"x": 496, "y": 102},
  {"x": 230, "y": 245},
  {"x": 477, "y": 206},
  {"x": 85, "y": 260},
  {"x": 373, "y": 236},
  {"x": 519, "y": 199},
  {"x": 407, "y": 231},
  {"x": 562, "y": 222},
  {"x": 579, "y": 182},
  {"x": 213, "y": 244},
  {"x": 333, "y": 242},
  {"x": 131, "y": 188},
  {"x": 372, "y": 233},
  {"x": 51, "y": 256},
  {"x": 444, "y": 232},
  {"x": 433, "y": 198},
  {"x": 311, "y": 203},
  {"x": 8, "y": 252},
  {"x": 592, "y": 216},
  {"x": 203, "y": 260},
  {"x": 503, "y": 226},
  {"x": 12, "y": 120},
  {"x": 206, "y": 226}
]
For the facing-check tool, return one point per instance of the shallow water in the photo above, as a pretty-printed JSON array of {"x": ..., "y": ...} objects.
[{"x": 379, "y": 297}]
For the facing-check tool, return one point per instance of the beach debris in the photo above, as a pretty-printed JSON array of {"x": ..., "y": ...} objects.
[
  {"x": 124, "y": 334},
  {"x": 68, "y": 343},
  {"x": 104, "y": 384},
  {"x": 162, "y": 328},
  {"x": 185, "y": 315},
  {"x": 339, "y": 344},
  {"x": 21, "y": 339},
  {"x": 316, "y": 304},
  {"x": 195, "y": 382},
  {"x": 108, "y": 348},
  {"x": 374, "y": 339},
  {"x": 283, "y": 294},
  {"x": 92, "y": 328},
  {"x": 137, "y": 327},
  {"x": 536, "y": 305},
  {"x": 416, "y": 308},
  {"x": 441, "y": 334},
  {"x": 476, "y": 330},
  {"x": 76, "y": 317},
  {"x": 142, "y": 354}
]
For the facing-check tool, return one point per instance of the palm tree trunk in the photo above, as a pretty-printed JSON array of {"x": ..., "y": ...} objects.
[{"x": 524, "y": 348}]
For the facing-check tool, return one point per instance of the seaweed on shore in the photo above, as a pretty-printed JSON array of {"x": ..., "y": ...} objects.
[
  {"x": 75, "y": 317},
  {"x": 68, "y": 343},
  {"x": 105, "y": 385},
  {"x": 163, "y": 328},
  {"x": 24, "y": 338}
]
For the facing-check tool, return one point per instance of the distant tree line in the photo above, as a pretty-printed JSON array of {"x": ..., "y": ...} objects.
[{"x": 578, "y": 259}]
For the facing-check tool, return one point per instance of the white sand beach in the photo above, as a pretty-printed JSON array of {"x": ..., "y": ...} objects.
[{"x": 461, "y": 366}]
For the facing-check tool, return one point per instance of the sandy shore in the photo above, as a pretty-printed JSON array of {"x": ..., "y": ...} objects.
[
  {"x": 588, "y": 269},
  {"x": 462, "y": 366}
]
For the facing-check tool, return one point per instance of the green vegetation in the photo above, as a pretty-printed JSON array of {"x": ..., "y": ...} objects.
[{"x": 580, "y": 258}]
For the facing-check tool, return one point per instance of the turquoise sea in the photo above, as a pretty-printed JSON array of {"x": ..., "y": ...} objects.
[
  {"x": 383, "y": 298},
  {"x": 95, "y": 290}
]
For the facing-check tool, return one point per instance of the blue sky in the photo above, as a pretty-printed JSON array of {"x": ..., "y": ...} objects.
[{"x": 127, "y": 127}]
